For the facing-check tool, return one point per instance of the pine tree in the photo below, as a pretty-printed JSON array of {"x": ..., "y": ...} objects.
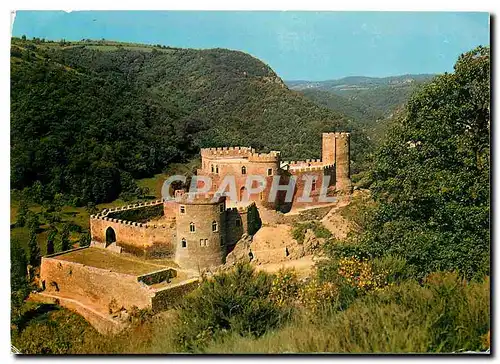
[
  {"x": 34, "y": 250},
  {"x": 51, "y": 240},
  {"x": 22, "y": 214},
  {"x": 65, "y": 243}
]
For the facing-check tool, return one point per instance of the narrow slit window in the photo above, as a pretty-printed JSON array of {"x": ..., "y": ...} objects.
[
  {"x": 192, "y": 228},
  {"x": 243, "y": 170},
  {"x": 269, "y": 171},
  {"x": 183, "y": 243},
  {"x": 214, "y": 226},
  {"x": 182, "y": 209}
]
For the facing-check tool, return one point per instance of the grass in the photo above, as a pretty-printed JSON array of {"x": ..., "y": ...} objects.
[{"x": 103, "y": 259}]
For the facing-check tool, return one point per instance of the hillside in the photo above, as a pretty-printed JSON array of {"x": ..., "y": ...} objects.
[
  {"x": 378, "y": 95},
  {"x": 368, "y": 100},
  {"x": 89, "y": 117}
]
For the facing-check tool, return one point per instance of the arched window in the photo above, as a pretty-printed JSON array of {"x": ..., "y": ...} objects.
[
  {"x": 217, "y": 169},
  {"x": 221, "y": 208},
  {"x": 313, "y": 188},
  {"x": 214, "y": 226},
  {"x": 212, "y": 168},
  {"x": 243, "y": 170},
  {"x": 192, "y": 228},
  {"x": 183, "y": 243}
]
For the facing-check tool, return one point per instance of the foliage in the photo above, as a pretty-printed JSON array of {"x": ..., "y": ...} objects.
[
  {"x": 34, "y": 253},
  {"x": 52, "y": 331},
  {"x": 234, "y": 302},
  {"x": 431, "y": 177},
  {"x": 87, "y": 121},
  {"x": 65, "y": 242},
  {"x": 85, "y": 239},
  {"x": 22, "y": 213},
  {"x": 51, "y": 238},
  {"x": 300, "y": 229},
  {"x": 447, "y": 316}
]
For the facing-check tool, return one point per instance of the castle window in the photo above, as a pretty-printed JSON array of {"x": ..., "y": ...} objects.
[
  {"x": 182, "y": 209},
  {"x": 269, "y": 171},
  {"x": 217, "y": 169},
  {"x": 212, "y": 168},
  {"x": 221, "y": 241},
  {"x": 183, "y": 243},
  {"x": 221, "y": 208},
  {"x": 203, "y": 242},
  {"x": 206, "y": 242},
  {"x": 192, "y": 228},
  {"x": 214, "y": 226},
  {"x": 237, "y": 222},
  {"x": 243, "y": 170},
  {"x": 313, "y": 188}
]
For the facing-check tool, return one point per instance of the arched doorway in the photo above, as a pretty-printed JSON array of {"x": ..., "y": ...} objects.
[
  {"x": 110, "y": 236},
  {"x": 243, "y": 194}
]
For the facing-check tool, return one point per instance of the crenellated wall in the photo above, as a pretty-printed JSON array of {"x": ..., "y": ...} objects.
[
  {"x": 144, "y": 240},
  {"x": 93, "y": 285}
]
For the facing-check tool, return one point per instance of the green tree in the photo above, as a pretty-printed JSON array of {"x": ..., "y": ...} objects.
[
  {"x": 85, "y": 239},
  {"x": 65, "y": 242},
  {"x": 22, "y": 213},
  {"x": 33, "y": 249},
  {"x": 51, "y": 239},
  {"x": 431, "y": 177}
]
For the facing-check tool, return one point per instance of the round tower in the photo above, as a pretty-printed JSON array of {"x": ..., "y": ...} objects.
[
  {"x": 200, "y": 235},
  {"x": 342, "y": 163}
]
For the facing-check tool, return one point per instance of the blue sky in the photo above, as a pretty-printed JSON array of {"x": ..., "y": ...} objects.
[{"x": 297, "y": 45}]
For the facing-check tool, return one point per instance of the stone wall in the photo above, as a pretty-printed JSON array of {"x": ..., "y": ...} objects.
[
  {"x": 168, "y": 297},
  {"x": 144, "y": 240},
  {"x": 92, "y": 285}
]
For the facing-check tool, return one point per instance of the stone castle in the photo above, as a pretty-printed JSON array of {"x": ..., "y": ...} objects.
[
  {"x": 198, "y": 233},
  {"x": 147, "y": 254}
]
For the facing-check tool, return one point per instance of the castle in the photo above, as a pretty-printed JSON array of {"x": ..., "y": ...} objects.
[
  {"x": 164, "y": 245},
  {"x": 196, "y": 232}
]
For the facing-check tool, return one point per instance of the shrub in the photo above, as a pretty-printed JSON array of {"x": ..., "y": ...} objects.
[{"x": 232, "y": 302}]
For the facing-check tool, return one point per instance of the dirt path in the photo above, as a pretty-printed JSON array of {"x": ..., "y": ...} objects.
[{"x": 303, "y": 266}]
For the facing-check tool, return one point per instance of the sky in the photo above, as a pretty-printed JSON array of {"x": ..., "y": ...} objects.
[{"x": 311, "y": 46}]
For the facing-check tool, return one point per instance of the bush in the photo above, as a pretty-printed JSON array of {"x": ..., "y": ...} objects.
[
  {"x": 234, "y": 302},
  {"x": 299, "y": 230}
]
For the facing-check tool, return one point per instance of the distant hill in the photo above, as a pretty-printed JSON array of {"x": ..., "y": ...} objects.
[
  {"x": 89, "y": 117},
  {"x": 381, "y": 95},
  {"x": 353, "y": 83},
  {"x": 368, "y": 100}
]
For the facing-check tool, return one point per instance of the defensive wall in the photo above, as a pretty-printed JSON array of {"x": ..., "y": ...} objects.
[
  {"x": 91, "y": 291},
  {"x": 141, "y": 239}
]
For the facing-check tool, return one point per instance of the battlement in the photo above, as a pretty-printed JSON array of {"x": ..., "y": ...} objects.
[
  {"x": 240, "y": 152},
  {"x": 240, "y": 209},
  {"x": 138, "y": 205},
  {"x": 194, "y": 198},
  {"x": 272, "y": 156},
  {"x": 299, "y": 169},
  {"x": 304, "y": 163},
  {"x": 341, "y": 134},
  {"x": 226, "y": 152},
  {"x": 130, "y": 223}
]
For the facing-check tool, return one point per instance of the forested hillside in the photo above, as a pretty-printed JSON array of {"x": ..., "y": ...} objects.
[
  {"x": 88, "y": 118},
  {"x": 370, "y": 101}
]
